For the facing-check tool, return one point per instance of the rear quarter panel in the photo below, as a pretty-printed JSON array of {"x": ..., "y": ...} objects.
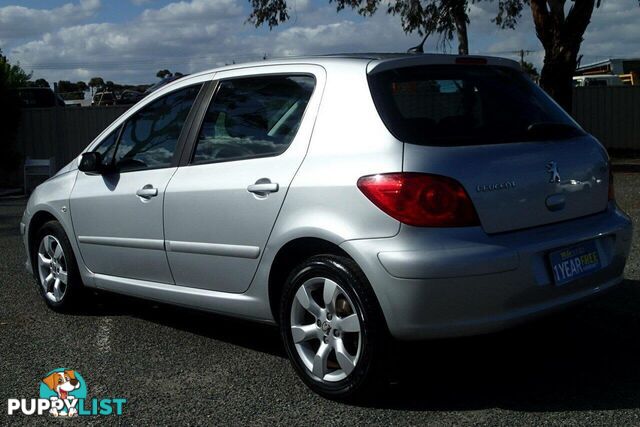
[{"x": 349, "y": 141}]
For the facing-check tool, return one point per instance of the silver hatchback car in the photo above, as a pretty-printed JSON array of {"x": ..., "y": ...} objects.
[{"x": 350, "y": 199}]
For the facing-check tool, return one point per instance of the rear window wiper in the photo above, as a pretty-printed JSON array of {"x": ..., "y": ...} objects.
[{"x": 552, "y": 129}]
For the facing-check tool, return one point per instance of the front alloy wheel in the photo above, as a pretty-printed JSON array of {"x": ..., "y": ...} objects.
[
  {"x": 52, "y": 268},
  {"x": 332, "y": 327},
  {"x": 55, "y": 268}
]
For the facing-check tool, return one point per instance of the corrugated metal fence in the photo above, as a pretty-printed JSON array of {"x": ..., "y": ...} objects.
[
  {"x": 62, "y": 133},
  {"x": 611, "y": 114}
]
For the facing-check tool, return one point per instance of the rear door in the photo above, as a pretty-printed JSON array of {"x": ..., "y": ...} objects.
[
  {"x": 523, "y": 161},
  {"x": 221, "y": 205}
]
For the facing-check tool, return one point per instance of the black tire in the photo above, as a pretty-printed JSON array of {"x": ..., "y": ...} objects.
[
  {"x": 74, "y": 289},
  {"x": 367, "y": 376}
]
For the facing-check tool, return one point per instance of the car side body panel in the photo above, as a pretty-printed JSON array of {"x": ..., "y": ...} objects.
[{"x": 429, "y": 282}]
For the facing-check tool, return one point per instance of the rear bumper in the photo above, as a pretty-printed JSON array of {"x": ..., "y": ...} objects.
[{"x": 452, "y": 282}]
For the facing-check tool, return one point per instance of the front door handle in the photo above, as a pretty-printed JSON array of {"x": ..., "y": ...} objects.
[
  {"x": 147, "y": 192},
  {"x": 263, "y": 187}
]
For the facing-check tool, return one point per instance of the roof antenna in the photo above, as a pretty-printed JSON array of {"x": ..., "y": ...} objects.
[{"x": 420, "y": 48}]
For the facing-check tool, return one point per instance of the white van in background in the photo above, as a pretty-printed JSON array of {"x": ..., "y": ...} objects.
[{"x": 597, "y": 80}]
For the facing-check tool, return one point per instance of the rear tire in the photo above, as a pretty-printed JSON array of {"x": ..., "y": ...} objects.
[
  {"x": 55, "y": 268},
  {"x": 332, "y": 327}
]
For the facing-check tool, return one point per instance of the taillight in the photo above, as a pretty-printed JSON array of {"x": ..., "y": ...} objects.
[{"x": 421, "y": 200}]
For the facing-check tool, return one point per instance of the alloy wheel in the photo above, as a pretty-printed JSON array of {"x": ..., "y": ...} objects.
[
  {"x": 326, "y": 329},
  {"x": 52, "y": 268}
]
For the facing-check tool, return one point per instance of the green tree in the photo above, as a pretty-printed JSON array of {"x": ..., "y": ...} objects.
[
  {"x": 40, "y": 83},
  {"x": 71, "y": 91},
  {"x": 96, "y": 84},
  {"x": 448, "y": 18},
  {"x": 530, "y": 69},
  {"x": 65, "y": 86},
  {"x": 14, "y": 74},
  {"x": 82, "y": 86},
  {"x": 560, "y": 33},
  {"x": 163, "y": 73},
  {"x": 11, "y": 77}
]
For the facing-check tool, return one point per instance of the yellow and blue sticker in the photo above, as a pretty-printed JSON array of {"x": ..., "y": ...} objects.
[{"x": 574, "y": 262}]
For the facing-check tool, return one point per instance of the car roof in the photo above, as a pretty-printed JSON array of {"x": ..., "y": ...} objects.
[{"x": 374, "y": 61}]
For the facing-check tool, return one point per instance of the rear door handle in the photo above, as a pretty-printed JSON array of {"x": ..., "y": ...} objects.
[
  {"x": 147, "y": 192},
  {"x": 263, "y": 187}
]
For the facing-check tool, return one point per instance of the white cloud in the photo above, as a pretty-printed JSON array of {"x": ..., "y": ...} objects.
[
  {"x": 20, "y": 22},
  {"x": 614, "y": 31},
  {"x": 189, "y": 36},
  {"x": 193, "y": 11}
]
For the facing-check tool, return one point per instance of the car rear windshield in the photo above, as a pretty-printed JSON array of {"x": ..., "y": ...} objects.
[{"x": 466, "y": 105}]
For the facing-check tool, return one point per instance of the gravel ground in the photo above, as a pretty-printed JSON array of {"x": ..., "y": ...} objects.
[{"x": 175, "y": 365}]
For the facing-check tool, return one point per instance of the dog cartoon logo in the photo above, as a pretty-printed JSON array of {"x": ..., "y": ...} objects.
[
  {"x": 65, "y": 385},
  {"x": 63, "y": 393}
]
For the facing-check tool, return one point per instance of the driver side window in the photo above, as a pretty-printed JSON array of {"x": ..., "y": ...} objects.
[
  {"x": 149, "y": 137},
  {"x": 107, "y": 147}
]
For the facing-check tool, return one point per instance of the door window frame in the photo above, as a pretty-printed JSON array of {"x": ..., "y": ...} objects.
[
  {"x": 119, "y": 125},
  {"x": 190, "y": 148}
]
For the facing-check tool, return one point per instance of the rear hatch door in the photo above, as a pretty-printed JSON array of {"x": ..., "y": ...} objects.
[
  {"x": 523, "y": 161},
  {"x": 513, "y": 186}
]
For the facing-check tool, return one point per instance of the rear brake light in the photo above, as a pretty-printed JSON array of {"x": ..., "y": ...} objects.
[
  {"x": 466, "y": 60},
  {"x": 421, "y": 200}
]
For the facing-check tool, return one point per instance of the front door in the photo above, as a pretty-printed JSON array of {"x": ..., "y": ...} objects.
[
  {"x": 117, "y": 216},
  {"x": 221, "y": 207}
]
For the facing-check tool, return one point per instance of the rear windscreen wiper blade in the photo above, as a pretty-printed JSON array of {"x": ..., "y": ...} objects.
[{"x": 552, "y": 129}]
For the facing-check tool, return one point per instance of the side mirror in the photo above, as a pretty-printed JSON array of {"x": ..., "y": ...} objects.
[{"x": 91, "y": 162}]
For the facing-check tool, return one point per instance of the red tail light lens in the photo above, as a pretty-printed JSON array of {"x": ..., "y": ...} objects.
[{"x": 421, "y": 200}]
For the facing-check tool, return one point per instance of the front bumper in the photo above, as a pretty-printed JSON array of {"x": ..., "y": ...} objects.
[
  {"x": 452, "y": 282},
  {"x": 25, "y": 238}
]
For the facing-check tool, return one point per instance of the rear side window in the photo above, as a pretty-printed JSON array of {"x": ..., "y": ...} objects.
[
  {"x": 253, "y": 117},
  {"x": 150, "y": 136},
  {"x": 465, "y": 105}
]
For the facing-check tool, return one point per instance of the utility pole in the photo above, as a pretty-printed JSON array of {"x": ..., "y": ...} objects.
[{"x": 522, "y": 54}]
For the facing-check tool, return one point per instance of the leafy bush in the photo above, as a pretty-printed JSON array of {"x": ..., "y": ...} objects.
[{"x": 11, "y": 77}]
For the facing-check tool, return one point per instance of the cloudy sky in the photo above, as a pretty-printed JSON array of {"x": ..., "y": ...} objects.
[{"x": 127, "y": 41}]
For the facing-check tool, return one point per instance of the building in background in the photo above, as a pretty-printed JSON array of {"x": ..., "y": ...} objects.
[{"x": 628, "y": 69}]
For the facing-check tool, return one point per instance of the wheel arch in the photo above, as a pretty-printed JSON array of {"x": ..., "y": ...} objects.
[
  {"x": 44, "y": 213},
  {"x": 38, "y": 219},
  {"x": 291, "y": 255}
]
